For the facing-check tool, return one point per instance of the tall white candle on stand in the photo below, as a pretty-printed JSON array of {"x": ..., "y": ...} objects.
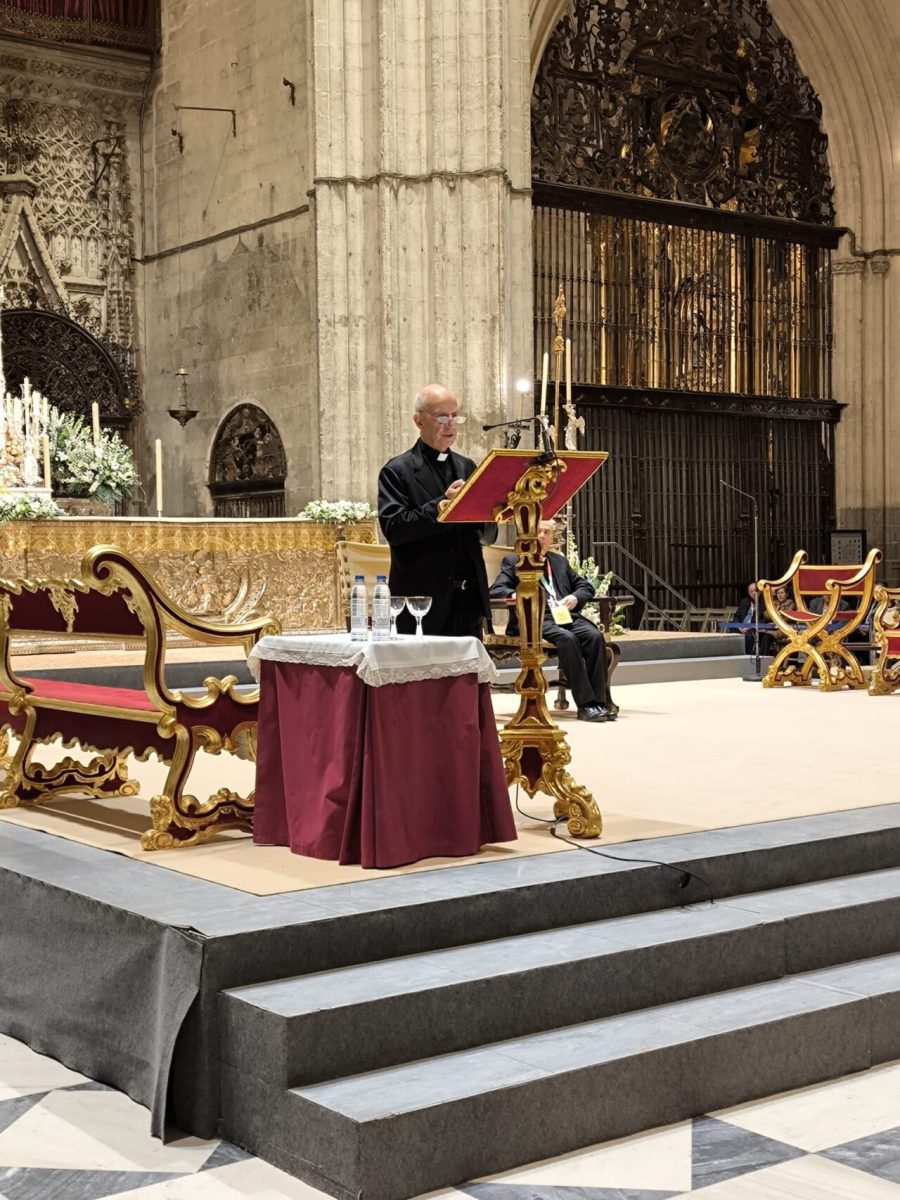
[
  {"x": 159, "y": 481},
  {"x": 95, "y": 422},
  {"x": 569, "y": 370},
  {"x": 46, "y": 442},
  {"x": 544, "y": 369}
]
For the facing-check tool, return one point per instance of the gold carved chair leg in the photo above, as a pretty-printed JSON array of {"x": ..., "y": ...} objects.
[
  {"x": 5, "y": 756},
  {"x": 10, "y": 796},
  {"x": 181, "y": 820}
]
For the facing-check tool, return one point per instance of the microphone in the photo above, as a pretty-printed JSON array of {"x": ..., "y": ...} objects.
[{"x": 522, "y": 421}]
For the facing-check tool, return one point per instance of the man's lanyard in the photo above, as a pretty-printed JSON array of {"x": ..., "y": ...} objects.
[{"x": 547, "y": 583}]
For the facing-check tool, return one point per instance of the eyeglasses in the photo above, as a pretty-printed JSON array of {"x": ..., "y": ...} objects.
[{"x": 446, "y": 418}]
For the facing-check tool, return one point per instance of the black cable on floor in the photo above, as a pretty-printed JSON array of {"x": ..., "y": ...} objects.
[{"x": 684, "y": 875}]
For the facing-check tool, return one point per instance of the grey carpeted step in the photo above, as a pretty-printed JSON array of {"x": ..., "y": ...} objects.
[
  {"x": 399, "y": 1131},
  {"x": 306, "y": 1029}
]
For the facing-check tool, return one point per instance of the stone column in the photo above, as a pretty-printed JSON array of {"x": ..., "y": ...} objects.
[
  {"x": 422, "y": 220},
  {"x": 848, "y": 386},
  {"x": 866, "y": 362}
]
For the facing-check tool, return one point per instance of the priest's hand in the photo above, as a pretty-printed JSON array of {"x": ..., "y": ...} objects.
[{"x": 454, "y": 488}]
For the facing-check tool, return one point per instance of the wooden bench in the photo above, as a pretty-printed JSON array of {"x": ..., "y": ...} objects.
[
  {"x": 815, "y": 642},
  {"x": 116, "y": 602},
  {"x": 885, "y": 676}
]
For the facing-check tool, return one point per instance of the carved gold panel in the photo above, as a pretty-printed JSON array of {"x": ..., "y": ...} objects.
[{"x": 214, "y": 568}]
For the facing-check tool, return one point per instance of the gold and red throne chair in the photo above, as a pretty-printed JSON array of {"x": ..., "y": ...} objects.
[{"x": 116, "y": 603}]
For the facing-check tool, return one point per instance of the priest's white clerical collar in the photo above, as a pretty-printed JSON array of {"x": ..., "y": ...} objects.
[{"x": 443, "y": 456}]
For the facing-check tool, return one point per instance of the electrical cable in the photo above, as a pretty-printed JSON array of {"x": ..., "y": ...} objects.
[{"x": 684, "y": 875}]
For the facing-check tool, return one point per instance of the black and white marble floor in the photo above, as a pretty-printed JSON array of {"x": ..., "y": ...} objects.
[{"x": 64, "y": 1137}]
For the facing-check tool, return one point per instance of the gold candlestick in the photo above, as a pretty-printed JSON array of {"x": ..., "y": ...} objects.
[{"x": 559, "y": 346}]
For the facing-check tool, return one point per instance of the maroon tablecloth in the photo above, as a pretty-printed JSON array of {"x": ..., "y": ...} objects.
[{"x": 377, "y": 775}]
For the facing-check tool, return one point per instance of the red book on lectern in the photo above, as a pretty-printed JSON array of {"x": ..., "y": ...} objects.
[{"x": 487, "y": 488}]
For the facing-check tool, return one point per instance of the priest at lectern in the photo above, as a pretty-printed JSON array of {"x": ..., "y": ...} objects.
[{"x": 428, "y": 558}]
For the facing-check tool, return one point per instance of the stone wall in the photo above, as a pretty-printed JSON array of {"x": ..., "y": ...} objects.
[
  {"x": 422, "y": 216},
  {"x": 340, "y": 252},
  {"x": 234, "y": 305}
]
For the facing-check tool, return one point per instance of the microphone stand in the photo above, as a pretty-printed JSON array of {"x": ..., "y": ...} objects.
[
  {"x": 756, "y": 654},
  {"x": 522, "y": 423}
]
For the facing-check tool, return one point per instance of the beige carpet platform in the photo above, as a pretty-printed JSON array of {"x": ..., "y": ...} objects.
[{"x": 682, "y": 757}]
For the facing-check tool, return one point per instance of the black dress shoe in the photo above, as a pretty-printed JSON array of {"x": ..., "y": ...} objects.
[{"x": 593, "y": 713}]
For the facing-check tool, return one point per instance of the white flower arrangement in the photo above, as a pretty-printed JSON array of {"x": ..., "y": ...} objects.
[
  {"x": 338, "y": 512},
  {"x": 79, "y": 468},
  {"x": 601, "y": 584},
  {"x": 28, "y": 508}
]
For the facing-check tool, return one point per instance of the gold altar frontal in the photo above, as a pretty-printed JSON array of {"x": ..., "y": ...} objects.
[{"x": 212, "y": 567}]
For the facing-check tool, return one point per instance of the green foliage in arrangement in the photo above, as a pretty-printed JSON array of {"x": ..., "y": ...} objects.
[
  {"x": 28, "y": 508},
  {"x": 601, "y": 583}
]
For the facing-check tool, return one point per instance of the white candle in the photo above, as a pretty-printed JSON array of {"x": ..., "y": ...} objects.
[
  {"x": 569, "y": 370},
  {"x": 544, "y": 368},
  {"x": 159, "y": 481},
  {"x": 95, "y": 422},
  {"x": 46, "y": 442}
]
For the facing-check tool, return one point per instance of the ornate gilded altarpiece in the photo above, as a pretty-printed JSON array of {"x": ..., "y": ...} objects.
[
  {"x": 220, "y": 569},
  {"x": 67, "y": 226}
]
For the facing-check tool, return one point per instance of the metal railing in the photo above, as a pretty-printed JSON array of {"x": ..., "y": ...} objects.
[{"x": 647, "y": 574}]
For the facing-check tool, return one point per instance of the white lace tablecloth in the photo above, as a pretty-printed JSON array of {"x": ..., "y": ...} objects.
[{"x": 405, "y": 659}]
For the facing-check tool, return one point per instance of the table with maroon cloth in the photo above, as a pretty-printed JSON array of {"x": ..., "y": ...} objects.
[{"x": 378, "y": 753}]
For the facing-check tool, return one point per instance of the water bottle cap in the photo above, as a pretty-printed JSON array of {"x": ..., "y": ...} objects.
[
  {"x": 381, "y": 578},
  {"x": 359, "y": 578}
]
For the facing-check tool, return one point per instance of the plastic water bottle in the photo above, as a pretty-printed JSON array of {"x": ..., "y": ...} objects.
[
  {"x": 359, "y": 610},
  {"x": 381, "y": 610}
]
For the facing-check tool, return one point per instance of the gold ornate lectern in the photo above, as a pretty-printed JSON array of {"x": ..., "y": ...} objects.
[{"x": 527, "y": 487}]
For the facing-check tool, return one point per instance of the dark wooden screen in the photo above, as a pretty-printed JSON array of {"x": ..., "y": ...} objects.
[{"x": 660, "y": 494}]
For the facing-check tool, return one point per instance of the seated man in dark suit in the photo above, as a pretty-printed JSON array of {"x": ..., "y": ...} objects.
[
  {"x": 577, "y": 641},
  {"x": 745, "y": 617}
]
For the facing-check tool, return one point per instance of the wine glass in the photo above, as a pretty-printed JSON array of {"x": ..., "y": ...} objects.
[
  {"x": 418, "y": 606},
  {"x": 398, "y": 603}
]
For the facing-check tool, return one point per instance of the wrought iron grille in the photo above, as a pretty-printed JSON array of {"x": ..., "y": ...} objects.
[
  {"x": 682, "y": 199},
  {"x": 692, "y": 100},
  {"x": 662, "y": 305}
]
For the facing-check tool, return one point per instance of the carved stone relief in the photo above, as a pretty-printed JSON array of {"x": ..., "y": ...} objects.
[
  {"x": 248, "y": 449},
  {"x": 66, "y": 222}
]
